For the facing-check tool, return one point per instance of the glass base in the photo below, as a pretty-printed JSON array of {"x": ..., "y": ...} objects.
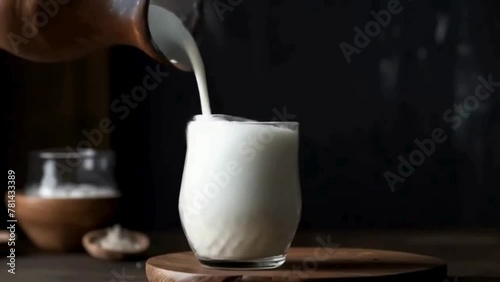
[{"x": 254, "y": 264}]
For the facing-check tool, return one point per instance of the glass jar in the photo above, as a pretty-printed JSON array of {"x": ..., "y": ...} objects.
[{"x": 71, "y": 174}]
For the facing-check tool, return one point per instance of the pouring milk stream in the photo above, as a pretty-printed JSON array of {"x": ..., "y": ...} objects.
[
  {"x": 173, "y": 38},
  {"x": 240, "y": 197}
]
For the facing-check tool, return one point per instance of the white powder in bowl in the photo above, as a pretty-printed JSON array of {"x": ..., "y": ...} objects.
[{"x": 118, "y": 239}]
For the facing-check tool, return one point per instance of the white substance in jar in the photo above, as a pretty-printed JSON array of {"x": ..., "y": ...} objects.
[
  {"x": 119, "y": 240},
  {"x": 50, "y": 187},
  {"x": 73, "y": 191}
]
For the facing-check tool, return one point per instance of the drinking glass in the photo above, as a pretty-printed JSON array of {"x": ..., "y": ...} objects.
[{"x": 240, "y": 199}]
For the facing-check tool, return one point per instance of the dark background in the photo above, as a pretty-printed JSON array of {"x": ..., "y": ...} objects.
[{"x": 355, "y": 119}]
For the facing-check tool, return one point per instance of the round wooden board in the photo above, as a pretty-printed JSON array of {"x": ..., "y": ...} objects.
[{"x": 305, "y": 264}]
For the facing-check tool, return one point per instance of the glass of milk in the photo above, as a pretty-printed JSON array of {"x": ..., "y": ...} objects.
[{"x": 240, "y": 199}]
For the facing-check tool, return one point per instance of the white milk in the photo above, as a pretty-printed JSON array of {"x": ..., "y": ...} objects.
[
  {"x": 240, "y": 195},
  {"x": 176, "y": 42}
]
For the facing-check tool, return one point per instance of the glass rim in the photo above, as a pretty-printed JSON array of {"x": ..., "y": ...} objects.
[
  {"x": 236, "y": 119},
  {"x": 65, "y": 153}
]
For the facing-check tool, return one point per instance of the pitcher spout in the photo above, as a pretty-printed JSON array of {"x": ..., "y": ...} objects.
[{"x": 166, "y": 21}]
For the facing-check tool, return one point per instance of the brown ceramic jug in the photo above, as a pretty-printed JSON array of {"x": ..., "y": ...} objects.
[{"x": 60, "y": 30}]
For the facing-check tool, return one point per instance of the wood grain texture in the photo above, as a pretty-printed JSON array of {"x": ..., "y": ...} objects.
[
  {"x": 471, "y": 255},
  {"x": 306, "y": 264}
]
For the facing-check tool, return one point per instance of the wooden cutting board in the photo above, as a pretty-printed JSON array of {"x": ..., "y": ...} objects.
[{"x": 307, "y": 264}]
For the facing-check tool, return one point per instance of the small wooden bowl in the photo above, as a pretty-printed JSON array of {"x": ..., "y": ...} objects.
[
  {"x": 59, "y": 224},
  {"x": 91, "y": 245}
]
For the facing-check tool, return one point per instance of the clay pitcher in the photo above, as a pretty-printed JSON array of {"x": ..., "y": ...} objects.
[{"x": 61, "y": 30}]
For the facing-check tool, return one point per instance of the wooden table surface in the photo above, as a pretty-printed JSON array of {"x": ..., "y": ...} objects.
[{"x": 472, "y": 255}]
